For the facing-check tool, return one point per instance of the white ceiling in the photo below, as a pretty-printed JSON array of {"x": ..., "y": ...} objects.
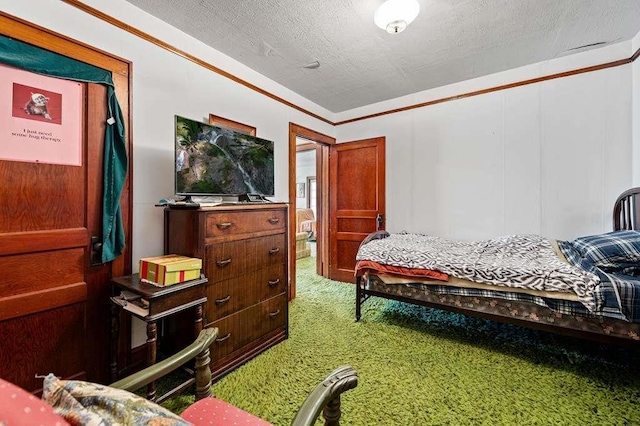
[{"x": 360, "y": 64}]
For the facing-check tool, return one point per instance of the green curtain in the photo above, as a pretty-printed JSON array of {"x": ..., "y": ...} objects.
[{"x": 25, "y": 56}]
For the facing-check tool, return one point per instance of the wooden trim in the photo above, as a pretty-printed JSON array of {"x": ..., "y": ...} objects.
[
  {"x": 296, "y": 130},
  {"x": 218, "y": 121},
  {"x": 308, "y": 194},
  {"x": 305, "y": 147},
  {"x": 37, "y": 241},
  {"x": 15, "y": 27},
  {"x": 128, "y": 28},
  {"x": 322, "y": 221},
  {"x": 30, "y": 303},
  {"x": 635, "y": 55},
  {"x": 312, "y": 135},
  {"x": 492, "y": 89}
]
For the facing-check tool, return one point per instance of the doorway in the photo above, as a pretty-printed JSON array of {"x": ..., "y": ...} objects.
[
  {"x": 313, "y": 179},
  {"x": 307, "y": 200}
]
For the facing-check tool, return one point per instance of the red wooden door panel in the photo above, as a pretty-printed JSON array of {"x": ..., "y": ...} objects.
[
  {"x": 53, "y": 304},
  {"x": 357, "y": 182}
]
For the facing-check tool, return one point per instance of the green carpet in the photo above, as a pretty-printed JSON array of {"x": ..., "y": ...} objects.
[{"x": 419, "y": 366}]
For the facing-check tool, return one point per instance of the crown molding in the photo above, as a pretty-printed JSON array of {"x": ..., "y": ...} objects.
[{"x": 125, "y": 27}]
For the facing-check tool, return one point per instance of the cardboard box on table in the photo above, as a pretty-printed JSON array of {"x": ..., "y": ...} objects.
[{"x": 169, "y": 269}]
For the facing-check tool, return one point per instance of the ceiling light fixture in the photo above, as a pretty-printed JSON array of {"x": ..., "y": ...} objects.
[{"x": 395, "y": 15}]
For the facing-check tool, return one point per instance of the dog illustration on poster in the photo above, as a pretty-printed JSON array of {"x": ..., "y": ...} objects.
[{"x": 36, "y": 104}]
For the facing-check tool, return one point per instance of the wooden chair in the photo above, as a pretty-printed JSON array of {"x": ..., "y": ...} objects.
[{"x": 325, "y": 398}]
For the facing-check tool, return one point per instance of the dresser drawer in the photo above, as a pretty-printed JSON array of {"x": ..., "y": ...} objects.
[
  {"x": 248, "y": 325},
  {"x": 234, "y": 223},
  {"x": 229, "y": 296},
  {"x": 274, "y": 314},
  {"x": 230, "y": 259}
]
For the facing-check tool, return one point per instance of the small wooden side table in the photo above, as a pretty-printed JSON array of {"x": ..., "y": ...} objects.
[{"x": 162, "y": 302}]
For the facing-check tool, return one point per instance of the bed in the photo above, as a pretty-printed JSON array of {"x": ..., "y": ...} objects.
[{"x": 587, "y": 288}]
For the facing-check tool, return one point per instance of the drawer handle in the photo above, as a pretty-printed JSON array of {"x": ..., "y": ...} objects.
[
  {"x": 273, "y": 314},
  {"x": 223, "y": 338},
  {"x": 223, "y": 300},
  {"x": 222, "y": 263},
  {"x": 274, "y": 220},
  {"x": 224, "y": 225},
  {"x": 274, "y": 282},
  {"x": 274, "y": 250}
]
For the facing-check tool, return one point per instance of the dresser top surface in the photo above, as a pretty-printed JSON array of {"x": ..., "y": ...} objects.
[{"x": 232, "y": 206}]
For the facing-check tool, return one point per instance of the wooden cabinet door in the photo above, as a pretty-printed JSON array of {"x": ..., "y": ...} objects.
[{"x": 357, "y": 200}]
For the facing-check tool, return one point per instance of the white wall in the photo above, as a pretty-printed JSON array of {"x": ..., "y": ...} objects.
[
  {"x": 547, "y": 158},
  {"x": 164, "y": 85},
  {"x": 636, "y": 112}
]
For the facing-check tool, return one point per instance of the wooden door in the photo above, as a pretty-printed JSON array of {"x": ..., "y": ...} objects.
[
  {"x": 357, "y": 201},
  {"x": 47, "y": 216},
  {"x": 53, "y": 302}
]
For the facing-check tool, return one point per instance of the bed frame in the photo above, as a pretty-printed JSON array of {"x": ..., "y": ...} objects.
[{"x": 626, "y": 215}]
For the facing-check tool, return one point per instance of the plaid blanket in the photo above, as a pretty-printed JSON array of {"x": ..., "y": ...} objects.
[
  {"x": 618, "y": 294},
  {"x": 557, "y": 305}
]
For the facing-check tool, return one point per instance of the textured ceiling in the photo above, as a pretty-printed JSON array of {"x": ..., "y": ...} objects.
[{"x": 360, "y": 64}]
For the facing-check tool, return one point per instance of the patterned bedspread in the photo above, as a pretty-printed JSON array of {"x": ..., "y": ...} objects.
[{"x": 525, "y": 261}]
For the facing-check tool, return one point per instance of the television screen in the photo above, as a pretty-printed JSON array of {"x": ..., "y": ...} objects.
[{"x": 213, "y": 160}]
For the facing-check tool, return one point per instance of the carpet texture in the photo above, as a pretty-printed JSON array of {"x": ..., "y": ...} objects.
[{"x": 419, "y": 366}]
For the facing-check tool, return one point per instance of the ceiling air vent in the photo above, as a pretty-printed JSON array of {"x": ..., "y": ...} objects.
[
  {"x": 587, "y": 46},
  {"x": 312, "y": 65}
]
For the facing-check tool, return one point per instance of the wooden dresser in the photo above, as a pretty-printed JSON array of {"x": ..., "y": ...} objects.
[{"x": 244, "y": 254}]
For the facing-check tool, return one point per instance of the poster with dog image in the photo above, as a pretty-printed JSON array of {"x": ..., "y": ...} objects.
[{"x": 40, "y": 118}]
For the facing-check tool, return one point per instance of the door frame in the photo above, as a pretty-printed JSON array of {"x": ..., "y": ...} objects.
[
  {"x": 322, "y": 220},
  {"x": 121, "y": 70}
]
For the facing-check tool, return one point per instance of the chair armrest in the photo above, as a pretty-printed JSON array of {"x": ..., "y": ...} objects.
[
  {"x": 162, "y": 368},
  {"x": 326, "y": 396}
]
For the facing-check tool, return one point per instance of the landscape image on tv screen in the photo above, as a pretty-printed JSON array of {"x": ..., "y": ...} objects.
[{"x": 216, "y": 161}]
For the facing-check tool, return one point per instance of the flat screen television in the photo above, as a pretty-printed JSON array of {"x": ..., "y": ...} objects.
[{"x": 214, "y": 161}]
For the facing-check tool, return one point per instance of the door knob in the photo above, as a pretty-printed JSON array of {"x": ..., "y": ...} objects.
[{"x": 96, "y": 251}]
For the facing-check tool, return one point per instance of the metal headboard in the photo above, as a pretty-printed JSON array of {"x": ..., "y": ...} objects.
[{"x": 626, "y": 210}]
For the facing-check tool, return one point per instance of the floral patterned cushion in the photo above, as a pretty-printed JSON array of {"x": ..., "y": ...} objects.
[{"x": 89, "y": 403}]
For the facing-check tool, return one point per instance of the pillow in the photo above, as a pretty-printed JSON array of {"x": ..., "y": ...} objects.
[
  {"x": 573, "y": 257},
  {"x": 613, "y": 250},
  {"x": 90, "y": 403},
  {"x": 19, "y": 407}
]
